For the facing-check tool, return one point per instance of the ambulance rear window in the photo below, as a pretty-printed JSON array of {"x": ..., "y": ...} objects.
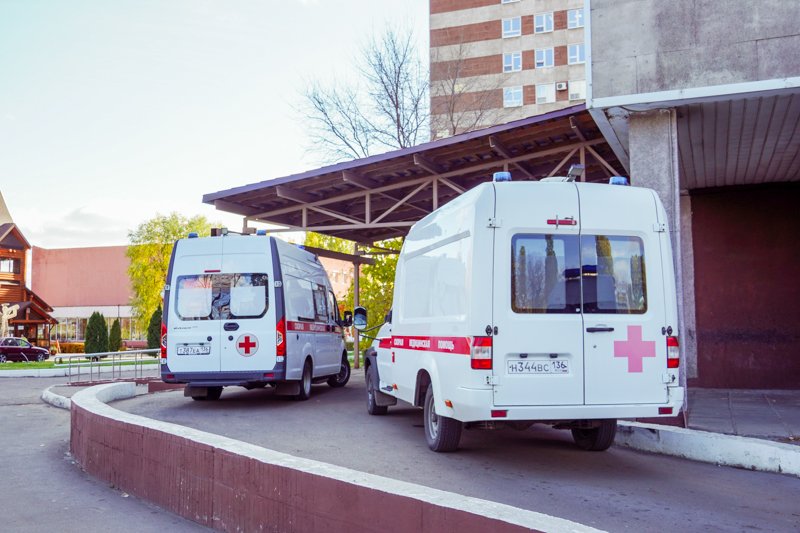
[
  {"x": 613, "y": 272},
  {"x": 222, "y": 296},
  {"x": 599, "y": 274},
  {"x": 545, "y": 274}
]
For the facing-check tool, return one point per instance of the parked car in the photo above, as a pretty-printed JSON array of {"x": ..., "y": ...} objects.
[{"x": 16, "y": 349}]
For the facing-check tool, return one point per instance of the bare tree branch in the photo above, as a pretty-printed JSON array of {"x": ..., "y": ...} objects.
[
  {"x": 463, "y": 101},
  {"x": 388, "y": 109}
]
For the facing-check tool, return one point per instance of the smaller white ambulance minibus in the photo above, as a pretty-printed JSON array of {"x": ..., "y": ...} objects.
[
  {"x": 524, "y": 302},
  {"x": 250, "y": 311}
]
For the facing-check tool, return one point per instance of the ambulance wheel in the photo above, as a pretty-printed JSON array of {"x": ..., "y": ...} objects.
[
  {"x": 596, "y": 439},
  {"x": 305, "y": 383},
  {"x": 441, "y": 432},
  {"x": 372, "y": 406},
  {"x": 341, "y": 379}
]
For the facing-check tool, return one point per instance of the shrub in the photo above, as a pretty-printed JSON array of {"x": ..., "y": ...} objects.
[
  {"x": 96, "y": 334},
  {"x": 154, "y": 329},
  {"x": 115, "y": 337},
  {"x": 71, "y": 347}
]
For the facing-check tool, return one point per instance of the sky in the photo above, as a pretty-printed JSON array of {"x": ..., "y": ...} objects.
[{"x": 113, "y": 112}]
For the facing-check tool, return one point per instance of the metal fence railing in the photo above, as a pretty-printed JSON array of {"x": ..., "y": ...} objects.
[{"x": 109, "y": 365}]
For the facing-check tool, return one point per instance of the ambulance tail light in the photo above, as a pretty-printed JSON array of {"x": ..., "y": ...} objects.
[
  {"x": 280, "y": 338},
  {"x": 673, "y": 352},
  {"x": 481, "y": 353},
  {"x": 163, "y": 341}
]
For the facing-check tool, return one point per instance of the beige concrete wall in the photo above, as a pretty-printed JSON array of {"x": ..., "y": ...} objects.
[{"x": 642, "y": 46}]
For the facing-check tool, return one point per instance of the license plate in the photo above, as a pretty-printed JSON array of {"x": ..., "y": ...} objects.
[
  {"x": 537, "y": 366},
  {"x": 194, "y": 349}
]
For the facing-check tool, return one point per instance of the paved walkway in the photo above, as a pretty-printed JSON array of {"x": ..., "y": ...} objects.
[
  {"x": 43, "y": 488},
  {"x": 765, "y": 414}
]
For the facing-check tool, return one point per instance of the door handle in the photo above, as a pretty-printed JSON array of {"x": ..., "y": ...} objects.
[
  {"x": 231, "y": 326},
  {"x": 599, "y": 329}
]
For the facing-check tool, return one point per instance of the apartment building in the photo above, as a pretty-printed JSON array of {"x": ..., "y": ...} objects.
[{"x": 494, "y": 61}]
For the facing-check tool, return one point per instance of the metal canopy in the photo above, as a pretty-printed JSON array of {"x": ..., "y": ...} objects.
[{"x": 379, "y": 197}]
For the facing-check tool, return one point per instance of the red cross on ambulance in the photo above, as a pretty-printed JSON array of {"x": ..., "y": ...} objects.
[
  {"x": 247, "y": 345},
  {"x": 635, "y": 349}
]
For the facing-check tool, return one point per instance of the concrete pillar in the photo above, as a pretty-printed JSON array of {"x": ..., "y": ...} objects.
[
  {"x": 689, "y": 333},
  {"x": 653, "y": 148}
]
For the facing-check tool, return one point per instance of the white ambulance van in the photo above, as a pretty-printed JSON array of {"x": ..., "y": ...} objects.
[
  {"x": 250, "y": 311},
  {"x": 524, "y": 302}
]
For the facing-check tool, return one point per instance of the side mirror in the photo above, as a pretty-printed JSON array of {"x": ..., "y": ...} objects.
[
  {"x": 360, "y": 318},
  {"x": 347, "y": 320},
  {"x": 388, "y": 318}
]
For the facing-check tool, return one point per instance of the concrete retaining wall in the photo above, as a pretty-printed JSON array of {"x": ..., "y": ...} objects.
[
  {"x": 234, "y": 486},
  {"x": 727, "y": 450}
]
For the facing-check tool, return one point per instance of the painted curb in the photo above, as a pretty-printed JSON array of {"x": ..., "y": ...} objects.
[
  {"x": 93, "y": 400},
  {"x": 728, "y": 450},
  {"x": 34, "y": 373},
  {"x": 56, "y": 400}
]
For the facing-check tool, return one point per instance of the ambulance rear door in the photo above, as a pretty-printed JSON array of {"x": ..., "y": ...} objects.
[
  {"x": 247, "y": 310},
  {"x": 623, "y": 296},
  {"x": 538, "y": 342},
  {"x": 193, "y": 334}
]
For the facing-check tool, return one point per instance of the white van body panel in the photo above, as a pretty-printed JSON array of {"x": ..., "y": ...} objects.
[
  {"x": 455, "y": 280},
  {"x": 239, "y": 347}
]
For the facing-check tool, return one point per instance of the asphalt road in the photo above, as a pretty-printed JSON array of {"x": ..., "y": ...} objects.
[
  {"x": 539, "y": 469},
  {"x": 42, "y": 487}
]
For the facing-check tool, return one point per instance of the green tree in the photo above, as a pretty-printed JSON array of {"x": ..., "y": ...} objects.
[
  {"x": 328, "y": 242},
  {"x": 154, "y": 329},
  {"x": 115, "y": 337},
  {"x": 149, "y": 252},
  {"x": 376, "y": 282},
  {"x": 376, "y": 288},
  {"x": 96, "y": 334}
]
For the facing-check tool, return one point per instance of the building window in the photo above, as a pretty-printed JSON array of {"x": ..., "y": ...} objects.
[
  {"x": 546, "y": 93},
  {"x": 575, "y": 18},
  {"x": 577, "y": 90},
  {"x": 512, "y": 62},
  {"x": 512, "y": 27},
  {"x": 543, "y": 22},
  {"x": 576, "y": 54},
  {"x": 9, "y": 266},
  {"x": 544, "y": 57},
  {"x": 512, "y": 96}
]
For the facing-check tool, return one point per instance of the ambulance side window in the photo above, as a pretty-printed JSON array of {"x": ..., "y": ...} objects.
[
  {"x": 333, "y": 309},
  {"x": 613, "y": 273},
  {"x": 299, "y": 297},
  {"x": 545, "y": 274},
  {"x": 320, "y": 307}
]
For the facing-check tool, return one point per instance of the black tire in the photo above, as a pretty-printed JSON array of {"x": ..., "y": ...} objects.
[
  {"x": 596, "y": 439},
  {"x": 305, "y": 383},
  {"x": 372, "y": 407},
  {"x": 40, "y": 357},
  {"x": 341, "y": 379},
  {"x": 3, "y": 358},
  {"x": 441, "y": 432},
  {"x": 212, "y": 395}
]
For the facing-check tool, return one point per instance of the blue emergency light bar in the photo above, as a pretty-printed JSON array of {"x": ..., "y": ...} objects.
[{"x": 501, "y": 176}]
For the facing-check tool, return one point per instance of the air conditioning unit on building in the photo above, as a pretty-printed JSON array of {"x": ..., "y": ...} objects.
[{"x": 561, "y": 86}]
